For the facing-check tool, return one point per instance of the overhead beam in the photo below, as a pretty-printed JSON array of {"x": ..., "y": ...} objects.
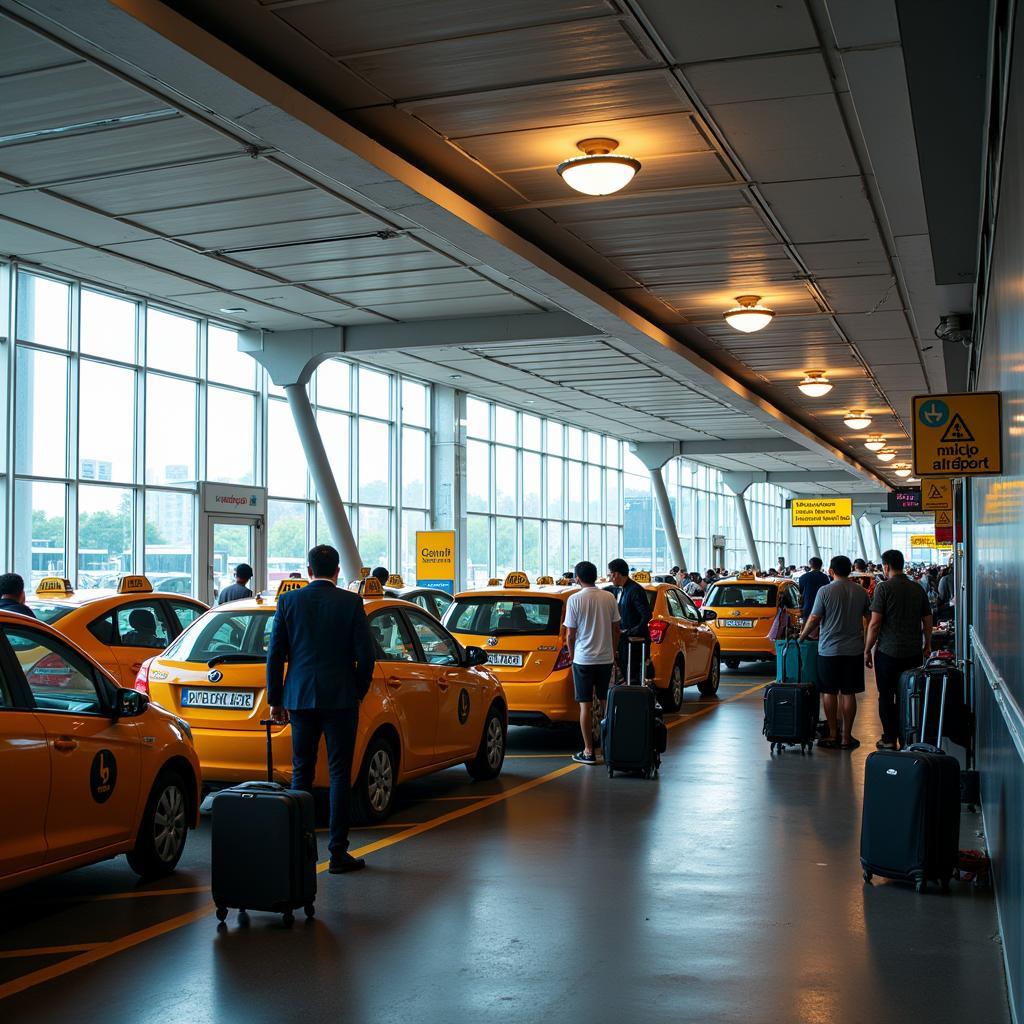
[
  {"x": 809, "y": 476},
  {"x": 741, "y": 446}
]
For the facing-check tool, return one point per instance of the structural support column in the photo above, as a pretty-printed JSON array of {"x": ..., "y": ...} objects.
[
  {"x": 860, "y": 536},
  {"x": 874, "y": 521},
  {"x": 738, "y": 484},
  {"x": 654, "y": 457},
  {"x": 448, "y": 471},
  {"x": 813, "y": 537}
]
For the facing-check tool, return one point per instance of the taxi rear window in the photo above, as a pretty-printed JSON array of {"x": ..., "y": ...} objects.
[
  {"x": 734, "y": 595},
  {"x": 505, "y": 616},
  {"x": 50, "y": 612},
  {"x": 225, "y": 636}
]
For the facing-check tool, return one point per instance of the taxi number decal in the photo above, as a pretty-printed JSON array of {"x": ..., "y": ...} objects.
[
  {"x": 512, "y": 660},
  {"x": 463, "y": 706},
  {"x": 103, "y": 776},
  {"x": 233, "y": 699},
  {"x": 738, "y": 623}
]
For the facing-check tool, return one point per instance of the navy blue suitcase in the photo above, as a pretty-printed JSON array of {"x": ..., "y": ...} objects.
[{"x": 632, "y": 736}]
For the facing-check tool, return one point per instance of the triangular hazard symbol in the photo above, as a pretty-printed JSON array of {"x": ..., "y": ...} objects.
[
  {"x": 934, "y": 491},
  {"x": 957, "y": 430}
]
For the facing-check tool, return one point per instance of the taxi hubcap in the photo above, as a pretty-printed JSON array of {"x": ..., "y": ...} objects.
[
  {"x": 495, "y": 743},
  {"x": 379, "y": 780},
  {"x": 169, "y": 823},
  {"x": 677, "y": 685},
  {"x": 716, "y": 669}
]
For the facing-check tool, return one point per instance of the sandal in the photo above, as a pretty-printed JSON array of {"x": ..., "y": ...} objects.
[{"x": 852, "y": 745}]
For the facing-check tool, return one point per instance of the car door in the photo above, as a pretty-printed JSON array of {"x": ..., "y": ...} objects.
[
  {"x": 410, "y": 684},
  {"x": 677, "y": 632},
  {"x": 141, "y": 629},
  {"x": 95, "y": 760},
  {"x": 24, "y": 757},
  {"x": 459, "y": 703},
  {"x": 700, "y": 640},
  {"x": 181, "y": 615}
]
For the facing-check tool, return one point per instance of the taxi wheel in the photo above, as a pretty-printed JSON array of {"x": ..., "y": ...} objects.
[
  {"x": 491, "y": 755},
  {"x": 671, "y": 698},
  {"x": 375, "y": 789},
  {"x": 733, "y": 663},
  {"x": 710, "y": 685},
  {"x": 163, "y": 830}
]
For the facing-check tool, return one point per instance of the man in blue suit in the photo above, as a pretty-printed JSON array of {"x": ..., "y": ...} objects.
[{"x": 321, "y": 633}]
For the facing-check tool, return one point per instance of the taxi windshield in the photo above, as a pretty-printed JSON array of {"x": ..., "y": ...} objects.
[
  {"x": 49, "y": 612},
  {"x": 498, "y": 615},
  {"x": 736, "y": 595},
  {"x": 225, "y": 637}
]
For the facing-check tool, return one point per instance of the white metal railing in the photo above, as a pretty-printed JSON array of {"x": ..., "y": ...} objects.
[{"x": 1005, "y": 700}]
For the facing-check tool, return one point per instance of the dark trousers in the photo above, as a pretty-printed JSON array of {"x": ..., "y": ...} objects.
[
  {"x": 339, "y": 729},
  {"x": 638, "y": 665},
  {"x": 887, "y": 675}
]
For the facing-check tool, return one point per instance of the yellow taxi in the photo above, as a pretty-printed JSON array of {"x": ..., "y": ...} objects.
[
  {"x": 436, "y": 602},
  {"x": 120, "y": 628},
  {"x": 522, "y": 627},
  {"x": 432, "y": 703},
  {"x": 91, "y": 770},
  {"x": 741, "y": 611}
]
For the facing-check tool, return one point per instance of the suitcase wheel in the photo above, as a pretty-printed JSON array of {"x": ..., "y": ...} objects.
[
  {"x": 309, "y": 910},
  {"x": 288, "y": 918},
  {"x": 920, "y": 885},
  {"x": 868, "y": 876},
  {"x": 243, "y": 918},
  {"x": 945, "y": 885},
  {"x": 611, "y": 772},
  {"x": 222, "y": 913}
]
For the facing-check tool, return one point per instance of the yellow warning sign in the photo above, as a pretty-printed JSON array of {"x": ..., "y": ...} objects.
[
  {"x": 958, "y": 435},
  {"x": 922, "y": 540},
  {"x": 821, "y": 511},
  {"x": 936, "y": 494},
  {"x": 943, "y": 519}
]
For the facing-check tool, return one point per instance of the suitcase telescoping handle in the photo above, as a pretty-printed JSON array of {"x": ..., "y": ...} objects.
[
  {"x": 785, "y": 659},
  {"x": 924, "y": 716},
  {"x": 629, "y": 658},
  {"x": 268, "y": 724}
]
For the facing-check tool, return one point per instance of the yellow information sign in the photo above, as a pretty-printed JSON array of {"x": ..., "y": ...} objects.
[
  {"x": 922, "y": 540},
  {"x": 936, "y": 494},
  {"x": 958, "y": 435},
  {"x": 435, "y": 558},
  {"x": 821, "y": 511},
  {"x": 944, "y": 519}
]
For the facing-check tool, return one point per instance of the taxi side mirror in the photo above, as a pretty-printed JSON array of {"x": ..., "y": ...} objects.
[
  {"x": 475, "y": 656},
  {"x": 707, "y": 614},
  {"x": 129, "y": 703}
]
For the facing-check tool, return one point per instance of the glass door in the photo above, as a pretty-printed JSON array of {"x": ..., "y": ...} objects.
[{"x": 230, "y": 542}]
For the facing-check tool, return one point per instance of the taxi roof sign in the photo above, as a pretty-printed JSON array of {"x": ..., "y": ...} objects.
[
  {"x": 958, "y": 435},
  {"x": 517, "y": 581},
  {"x": 494, "y": 582},
  {"x": 363, "y": 572},
  {"x": 288, "y": 585},
  {"x": 565, "y": 581},
  {"x": 745, "y": 575},
  {"x": 394, "y": 580},
  {"x": 641, "y": 576},
  {"x": 370, "y": 587},
  {"x": 134, "y": 585},
  {"x": 54, "y": 586},
  {"x": 545, "y": 581}
]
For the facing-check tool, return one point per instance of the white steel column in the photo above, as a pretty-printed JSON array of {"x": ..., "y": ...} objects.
[
  {"x": 738, "y": 484},
  {"x": 654, "y": 457},
  {"x": 815, "y": 550},
  {"x": 860, "y": 536}
]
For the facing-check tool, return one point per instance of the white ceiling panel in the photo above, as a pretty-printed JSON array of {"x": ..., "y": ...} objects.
[
  {"x": 171, "y": 256},
  {"x": 822, "y": 211},
  {"x": 18, "y": 240},
  {"x": 64, "y": 218},
  {"x": 327, "y": 252},
  {"x": 760, "y": 78},
  {"x": 284, "y": 233},
  {"x": 487, "y": 306},
  {"x": 871, "y": 294},
  {"x": 839, "y": 259},
  {"x": 877, "y": 326},
  {"x": 22, "y": 50}
]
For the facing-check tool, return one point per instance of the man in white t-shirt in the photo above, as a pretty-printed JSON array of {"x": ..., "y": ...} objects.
[{"x": 592, "y": 635}]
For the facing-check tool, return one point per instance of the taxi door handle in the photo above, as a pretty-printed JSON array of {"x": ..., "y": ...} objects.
[
  {"x": 394, "y": 682},
  {"x": 65, "y": 743},
  {"x": 135, "y": 666},
  {"x": 442, "y": 684}
]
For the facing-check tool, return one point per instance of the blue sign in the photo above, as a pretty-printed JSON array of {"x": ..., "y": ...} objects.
[
  {"x": 448, "y": 586},
  {"x": 934, "y": 413}
]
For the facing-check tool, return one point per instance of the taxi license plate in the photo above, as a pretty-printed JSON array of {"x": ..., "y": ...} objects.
[
  {"x": 235, "y": 700},
  {"x": 738, "y": 623},
  {"x": 509, "y": 660}
]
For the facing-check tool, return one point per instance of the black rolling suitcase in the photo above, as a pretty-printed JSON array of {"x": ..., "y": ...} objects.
[
  {"x": 910, "y": 828},
  {"x": 631, "y": 737},
  {"x": 791, "y": 711},
  {"x": 264, "y": 848},
  {"x": 958, "y": 723}
]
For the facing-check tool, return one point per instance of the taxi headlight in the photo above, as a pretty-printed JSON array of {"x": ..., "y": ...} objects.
[{"x": 185, "y": 727}]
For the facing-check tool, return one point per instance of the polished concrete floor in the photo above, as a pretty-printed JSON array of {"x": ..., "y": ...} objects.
[{"x": 728, "y": 890}]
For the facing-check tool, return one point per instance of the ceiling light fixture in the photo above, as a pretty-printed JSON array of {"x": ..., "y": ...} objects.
[
  {"x": 887, "y": 455},
  {"x": 903, "y": 471},
  {"x": 875, "y": 442},
  {"x": 856, "y": 420},
  {"x": 748, "y": 315},
  {"x": 600, "y": 172},
  {"x": 234, "y": 309},
  {"x": 815, "y": 384}
]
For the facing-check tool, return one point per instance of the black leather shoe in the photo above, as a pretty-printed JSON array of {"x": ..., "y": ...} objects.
[{"x": 345, "y": 863}]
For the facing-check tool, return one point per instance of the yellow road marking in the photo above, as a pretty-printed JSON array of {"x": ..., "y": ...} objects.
[
  {"x": 14, "y": 954},
  {"x": 538, "y": 757},
  {"x": 142, "y": 894},
  {"x": 717, "y": 704}
]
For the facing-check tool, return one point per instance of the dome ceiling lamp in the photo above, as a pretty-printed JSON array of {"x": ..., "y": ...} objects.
[
  {"x": 600, "y": 171},
  {"x": 887, "y": 455},
  {"x": 815, "y": 384},
  {"x": 902, "y": 471},
  {"x": 875, "y": 442},
  {"x": 856, "y": 419},
  {"x": 749, "y": 314}
]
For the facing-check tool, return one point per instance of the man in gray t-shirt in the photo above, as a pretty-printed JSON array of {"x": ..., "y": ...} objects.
[
  {"x": 901, "y": 626},
  {"x": 840, "y": 609}
]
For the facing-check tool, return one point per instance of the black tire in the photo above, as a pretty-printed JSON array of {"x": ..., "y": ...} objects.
[
  {"x": 288, "y": 919},
  {"x": 378, "y": 779},
  {"x": 222, "y": 913},
  {"x": 309, "y": 910},
  {"x": 868, "y": 876},
  {"x": 709, "y": 687},
  {"x": 671, "y": 698},
  {"x": 490, "y": 755},
  {"x": 163, "y": 829},
  {"x": 732, "y": 663}
]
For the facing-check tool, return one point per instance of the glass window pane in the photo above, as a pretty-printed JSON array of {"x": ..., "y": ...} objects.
[
  {"x": 531, "y": 431},
  {"x": 574, "y": 438},
  {"x": 374, "y": 462},
  {"x": 230, "y": 436},
  {"x": 556, "y": 558},
  {"x": 171, "y": 341},
  {"x": 412, "y": 520},
  {"x": 107, "y": 326},
  {"x": 613, "y": 497},
  {"x": 39, "y": 535},
  {"x": 106, "y": 422},
  {"x": 612, "y": 451},
  {"x": 334, "y": 384},
  {"x": 415, "y": 404},
  {"x": 594, "y": 553},
  {"x": 504, "y": 479},
  {"x": 170, "y": 430},
  {"x": 556, "y": 438},
  {"x": 505, "y": 425},
  {"x": 286, "y": 464},
  {"x": 554, "y": 481},
  {"x": 505, "y": 560},
  {"x": 531, "y": 548},
  {"x": 594, "y": 447},
  {"x": 414, "y": 467},
  {"x": 286, "y": 540},
  {"x": 477, "y": 550},
  {"x": 335, "y": 428},
  {"x": 169, "y": 540},
  {"x": 41, "y": 399},
  {"x": 104, "y": 535},
  {"x": 374, "y": 393},
  {"x": 224, "y": 362},
  {"x": 478, "y": 418},
  {"x": 594, "y": 494},
  {"x": 574, "y": 550},
  {"x": 478, "y": 476},
  {"x": 531, "y": 484},
  {"x": 375, "y": 536},
  {"x": 43, "y": 307},
  {"x": 575, "y": 490}
]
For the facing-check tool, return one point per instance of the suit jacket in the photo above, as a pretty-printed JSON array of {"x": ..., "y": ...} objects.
[
  {"x": 322, "y": 634},
  {"x": 634, "y": 610}
]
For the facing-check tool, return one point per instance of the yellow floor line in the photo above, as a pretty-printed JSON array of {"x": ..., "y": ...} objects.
[
  {"x": 15, "y": 954},
  {"x": 711, "y": 707},
  {"x": 143, "y": 893},
  {"x": 534, "y": 757}
]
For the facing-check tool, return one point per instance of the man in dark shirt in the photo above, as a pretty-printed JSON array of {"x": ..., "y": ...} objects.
[
  {"x": 634, "y": 615},
  {"x": 810, "y": 583},
  {"x": 901, "y": 626},
  {"x": 12, "y": 595},
  {"x": 381, "y": 575},
  {"x": 238, "y": 590}
]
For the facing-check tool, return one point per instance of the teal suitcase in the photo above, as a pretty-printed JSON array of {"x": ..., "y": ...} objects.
[{"x": 796, "y": 661}]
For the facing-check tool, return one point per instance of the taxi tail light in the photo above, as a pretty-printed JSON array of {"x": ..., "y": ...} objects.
[
  {"x": 564, "y": 661},
  {"x": 142, "y": 677},
  {"x": 657, "y": 628}
]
